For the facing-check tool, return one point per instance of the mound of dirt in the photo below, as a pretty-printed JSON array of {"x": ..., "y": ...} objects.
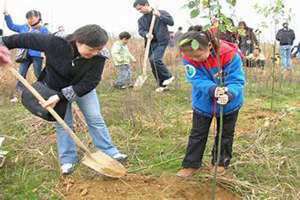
[{"x": 134, "y": 187}]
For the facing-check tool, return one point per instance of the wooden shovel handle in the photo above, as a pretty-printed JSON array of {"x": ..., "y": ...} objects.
[
  {"x": 148, "y": 45},
  {"x": 51, "y": 110}
]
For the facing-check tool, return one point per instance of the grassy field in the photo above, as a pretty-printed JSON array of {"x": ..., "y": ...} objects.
[{"x": 153, "y": 130}]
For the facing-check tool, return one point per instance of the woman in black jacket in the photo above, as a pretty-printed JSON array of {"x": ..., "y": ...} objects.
[
  {"x": 246, "y": 38},
  {"x": 73, "y": 68}
]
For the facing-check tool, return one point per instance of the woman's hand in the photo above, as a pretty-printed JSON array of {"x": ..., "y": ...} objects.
[
  {"x": 51, "y": 102},
  {"x": 4, "y": 56}
]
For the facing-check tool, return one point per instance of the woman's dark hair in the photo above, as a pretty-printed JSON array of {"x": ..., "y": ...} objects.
[
  {"x": 202, "y": 37},
  {"x": 124, "y": 35},
  {"x": 243, "y": 23},
  {"x": 33, "y": 13},
  {"x": 91, "y": 35}
]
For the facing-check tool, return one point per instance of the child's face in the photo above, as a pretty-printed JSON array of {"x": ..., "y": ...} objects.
[
  {"x": 125, "y": 41},
  {"x": 256, "y": 52},
  {"x": 144, "y": 9},
  {"x": 87, "y": 51},
  {"x": 33, "y": 20},
  {"x": 199, "y": 55}
]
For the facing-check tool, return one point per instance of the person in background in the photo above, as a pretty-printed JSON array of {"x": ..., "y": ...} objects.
[
  {"x": 286, "y": 37},
  {"x": 229, "y": 35},
  {"x": 246, "y": 38},
  {"x": 160, "y": 40},
  {"x": 122, "y": 59},
  {"x": 172, "y": 42},
  {"x": 256, "y": 59},
  {"x": 1, "y": 32},
  {"x": 178, "y": 34},
  {"x": 296, "y": 51},
  {"x": 33, "y": 25},
  {"x": 60, "y": 31}
]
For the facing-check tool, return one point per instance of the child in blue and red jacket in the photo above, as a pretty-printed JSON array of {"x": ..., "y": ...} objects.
[{"x": 199, "y": 50}]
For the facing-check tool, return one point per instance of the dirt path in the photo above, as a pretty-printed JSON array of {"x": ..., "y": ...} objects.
[{"x": 135, "y": 187}]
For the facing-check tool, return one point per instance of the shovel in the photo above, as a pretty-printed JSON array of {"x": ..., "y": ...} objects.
[
  {"x": 97, "y": 161},
  {"x": 142, "y": 78}
]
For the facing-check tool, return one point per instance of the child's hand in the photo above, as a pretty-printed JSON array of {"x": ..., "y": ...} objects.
[
  {"x": 51, "y": 102},
  {"x": 223, "y": 99},
  {"x": 220, "y": 91}
]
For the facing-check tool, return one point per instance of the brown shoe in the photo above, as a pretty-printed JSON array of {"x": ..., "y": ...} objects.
[{"x": 186, "y": 172}]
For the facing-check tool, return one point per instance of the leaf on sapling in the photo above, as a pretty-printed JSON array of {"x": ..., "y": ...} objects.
[
  {"x": 195, "y": 44},
  {"x": 195, "y": 13}
]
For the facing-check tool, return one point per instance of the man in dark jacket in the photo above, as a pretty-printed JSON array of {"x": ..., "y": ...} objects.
[
  {"x": 160, "y": 40},
  {"x": 286, "y": 37}
]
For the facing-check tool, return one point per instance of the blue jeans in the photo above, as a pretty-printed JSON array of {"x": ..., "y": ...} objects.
[
  {"x": 159, "y": 69},
  {"x": 285, "y": 54},
  {"x": 90, "y": 107},
  {"x": 124, "y": 75},
  {"x": 23, "y": 69}
]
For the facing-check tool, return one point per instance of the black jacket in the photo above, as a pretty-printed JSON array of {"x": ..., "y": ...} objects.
[
  {"x": 160, "y": 32},
  {"x": 285, "y": 36},
  {"x": 63, "y": 63}
]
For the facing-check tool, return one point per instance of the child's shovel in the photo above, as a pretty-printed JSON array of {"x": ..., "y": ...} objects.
[
  {"x": 142, "y": 78},
  {"x": 98, "y": 161}
]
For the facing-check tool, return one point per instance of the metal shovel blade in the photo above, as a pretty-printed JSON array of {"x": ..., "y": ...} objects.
[
  {"x": 140, "y": 81},
  {"x": 104, "y": 164}
]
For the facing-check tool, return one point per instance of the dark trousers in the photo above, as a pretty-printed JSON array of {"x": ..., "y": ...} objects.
[
  {"x": 198, "y": 138},
  {"x": 159, "y": 69}
]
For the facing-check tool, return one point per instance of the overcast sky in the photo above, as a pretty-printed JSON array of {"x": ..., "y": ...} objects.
[{"x": 119, "y": 15}]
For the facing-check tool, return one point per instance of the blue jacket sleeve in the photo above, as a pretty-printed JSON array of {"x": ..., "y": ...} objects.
[
  {"x": 166, "y": 18},
  {"x": 44, "y": 30},
  {"x": 199, "y": 79},
  {"x": 10, "y": 24},
  {"x": 234, "y": 76}
]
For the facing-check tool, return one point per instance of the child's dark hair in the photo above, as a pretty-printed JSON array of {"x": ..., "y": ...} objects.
[
  {"x": 259, "y": 49},
  {"x": 195, "y": 28},
  {"x": 202, "y": 37},
  {"x": 91, "y": 35},
  {"x": 33, "y": 13},
  {"x": 140, "y": 2},
  {"x": 124, "y": 35}
]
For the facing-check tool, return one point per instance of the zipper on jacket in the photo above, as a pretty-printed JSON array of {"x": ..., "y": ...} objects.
[{"x": 73, "y": 61}]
